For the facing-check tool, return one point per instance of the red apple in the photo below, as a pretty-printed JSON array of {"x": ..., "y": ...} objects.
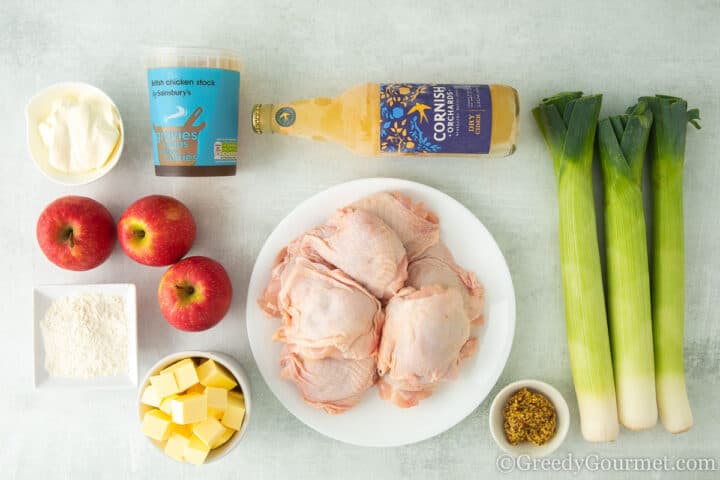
[
  {"x": 195, "y": 294},
  {"x": 76, "y": 233},
  {"x": 156, "y": 230}
]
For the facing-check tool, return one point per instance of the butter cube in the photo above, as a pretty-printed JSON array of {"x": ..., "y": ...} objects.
[
  {"x": 227, "y": 433},
  {"x": 184, "y": 430},
  {"x": 235, "y": 411},
  {"x": 185, "y": 374},
  {"x": 144, "y": 409},
  {"x": 178, "y": 364},
  {"x": 166, "y": 404},
  {"x": 196, "y": 451},
  {"x": 213, "y": 375},
  {"x": 150, "y": 397},
  {"x": 209, "y": 431},
  {"x": 215, "y": 413},
  {"x": 217, "y": 397},
  {"x": 156, "y": 425},
  {"x": 175, "y": 446},
  {"x": 197, "y": 388},
  {"x": 164, "y": 384},
  {"x": 217, "y": 401},
  {"x": 189, "y": 408}
]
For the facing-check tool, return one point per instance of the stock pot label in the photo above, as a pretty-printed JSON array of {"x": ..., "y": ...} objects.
[{"x": 194, "y": 115}]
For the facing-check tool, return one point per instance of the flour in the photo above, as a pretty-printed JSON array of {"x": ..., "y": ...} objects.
[{"x": 85, "y": 336}]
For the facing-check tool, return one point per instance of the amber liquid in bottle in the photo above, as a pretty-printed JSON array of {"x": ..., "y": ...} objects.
[{"x": 403, "y": 119}]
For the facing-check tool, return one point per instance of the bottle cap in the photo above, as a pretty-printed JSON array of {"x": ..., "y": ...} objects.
[{"x": 256, "y": 123}]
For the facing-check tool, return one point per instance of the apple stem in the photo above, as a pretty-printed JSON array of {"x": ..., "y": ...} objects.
[
  {"x": 185, "y": 290},
  {"x": 139, "y": 233},
  {"x": 69, "y": 237}
]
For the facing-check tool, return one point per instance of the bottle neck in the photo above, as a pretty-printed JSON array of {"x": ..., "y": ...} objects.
[
  {"x": 316, "y": 118},
  {"x": 262, "y": 118}
]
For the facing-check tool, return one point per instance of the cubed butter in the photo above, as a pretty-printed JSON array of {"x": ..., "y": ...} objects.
[
  {"x": 216, "y": 397},
  {"x": 197, "y": 388},
  {"x": 166, "y": 404},
  {"x": 165, "y": 384},
  {"x": 212, "y": 374},
  {"x": 235, "y": 411},
  {"x": 227, "y": 433},
  {"x": 144, "y": 409},
  {"x": 184, "y": 430},
  {"x": 189, "y": 408},
  {"x": 150, "y": 397},
  {"x": 185, "y": 374},
  {"x": 196, "y": 451},
  {"x": 209, "y": 431},
  {"x": 178, "y": 364},
  {"x": 217, "y": 401},
  {"x": 215, "y": 413},
  {"x": 175, "y": 446},
  {"x": 156, "y": 425}
]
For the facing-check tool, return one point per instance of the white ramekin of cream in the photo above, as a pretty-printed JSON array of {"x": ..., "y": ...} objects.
[{"x": 75, "y": 132}]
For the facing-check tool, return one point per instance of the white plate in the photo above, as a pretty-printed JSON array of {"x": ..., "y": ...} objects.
[
  {"x": 375, "y": 422},
  {"x": 44, "y": 295}
]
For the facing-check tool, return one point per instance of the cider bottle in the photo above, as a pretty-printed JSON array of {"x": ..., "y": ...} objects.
[{"x": 403, "y": 119}]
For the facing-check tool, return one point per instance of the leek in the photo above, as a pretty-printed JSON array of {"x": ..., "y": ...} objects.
[
  {"x": 568, "y": 122},
  {"x": 669, "y": 130},
  {"x": 622, "y": 141}
]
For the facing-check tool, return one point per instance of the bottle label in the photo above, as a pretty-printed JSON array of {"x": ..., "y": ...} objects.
[
  {"x": 194, "y": 115},
  {"x": 435, "y": 118},
  {"x": 285, "y": 116}
]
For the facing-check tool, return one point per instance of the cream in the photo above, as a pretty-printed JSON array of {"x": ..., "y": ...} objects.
[{"x": 80, "y": 132}]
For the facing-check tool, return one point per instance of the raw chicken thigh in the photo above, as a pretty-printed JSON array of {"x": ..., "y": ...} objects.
[
  {"x": 268, "y": 301},
  {"x": 327, "y": 286},
  {"x": 437, "y": 266},
  {"x": 326, "y": 313},
  {"x": 334, "y": 384},
  {"x": 417, "y": 227},
  {"x": 425, "y": 338},
  {"x": 331, "y": 329},
  {"x": 361, "y": 245}
]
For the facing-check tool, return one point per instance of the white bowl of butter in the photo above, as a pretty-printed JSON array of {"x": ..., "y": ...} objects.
[
  {"x": 75, "y": 133},
  {"x": 226, "y": 366}
]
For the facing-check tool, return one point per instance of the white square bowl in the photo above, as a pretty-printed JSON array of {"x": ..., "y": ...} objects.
[{"x": 44, "y": 295}]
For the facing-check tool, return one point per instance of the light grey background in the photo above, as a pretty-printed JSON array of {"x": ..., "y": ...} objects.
[{"x": 301, "y": 49}]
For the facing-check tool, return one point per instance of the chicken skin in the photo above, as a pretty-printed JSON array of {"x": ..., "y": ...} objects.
[
  {"x": 335, "y": 384},
  {"x": 361, "y": 245},
  {"x": 436, "y": 266},
  {"x": 426, "y": 337},
  {"x": 417, "y": 227},
  {"x": 326, "y": 313}
]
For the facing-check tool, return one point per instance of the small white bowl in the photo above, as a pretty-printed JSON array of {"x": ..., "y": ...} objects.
[
  {"x": 528, "y": 448},
  {"x": 44, "y": 295},
  {"x": 232, "y": 365},
  {"x": 36, "y": 111}
]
